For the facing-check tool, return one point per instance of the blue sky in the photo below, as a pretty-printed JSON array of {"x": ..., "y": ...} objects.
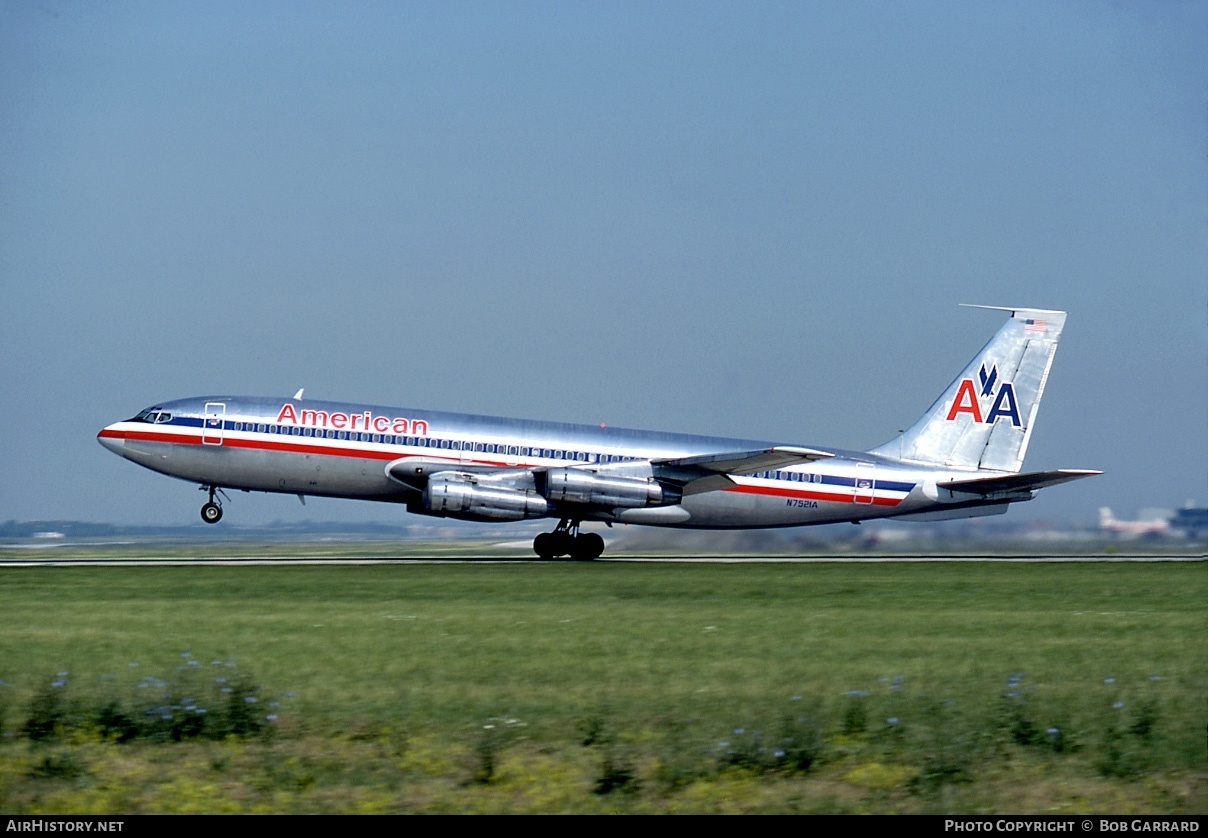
[{"x": 746, "y": 219}]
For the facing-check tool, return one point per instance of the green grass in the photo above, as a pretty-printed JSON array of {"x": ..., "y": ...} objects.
[{"x": 405, "y": 681}]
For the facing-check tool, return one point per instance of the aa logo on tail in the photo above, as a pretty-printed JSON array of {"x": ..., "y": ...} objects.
[{"x": 969, "y": 398}]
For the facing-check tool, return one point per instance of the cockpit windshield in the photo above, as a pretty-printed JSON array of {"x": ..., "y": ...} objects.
[{"x": 153, "y": 415}]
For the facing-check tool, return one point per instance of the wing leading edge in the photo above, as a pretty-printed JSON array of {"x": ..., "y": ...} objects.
[{"x": 711, "y": 472}]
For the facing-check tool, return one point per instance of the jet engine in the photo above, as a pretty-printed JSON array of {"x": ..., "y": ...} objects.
[
  {"x": 460, "y": 494},
  {"x": 571, "y": 485}
]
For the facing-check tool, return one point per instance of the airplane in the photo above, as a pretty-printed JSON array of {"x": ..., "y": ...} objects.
[
  {"x": 1148, "y": 527},
  {"x": 962, "y": 459}
]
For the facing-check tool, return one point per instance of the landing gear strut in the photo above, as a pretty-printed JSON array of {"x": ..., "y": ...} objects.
[
  {"x": 211, "y": 512},
  {"x": 566, "y": 540}
]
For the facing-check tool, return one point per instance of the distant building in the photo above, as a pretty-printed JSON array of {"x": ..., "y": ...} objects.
[{"x": 1192, "y": 521}]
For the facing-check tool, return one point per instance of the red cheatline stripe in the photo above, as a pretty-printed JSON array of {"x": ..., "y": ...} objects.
[{"x": 292, "y": 447}]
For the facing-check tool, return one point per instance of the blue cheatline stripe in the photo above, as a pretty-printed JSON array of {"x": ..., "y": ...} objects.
[{"x": 887, "y": 485}]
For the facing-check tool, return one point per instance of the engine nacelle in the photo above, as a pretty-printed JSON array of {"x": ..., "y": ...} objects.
[
  {"x": 572, "y": 485},
  {"x": 456, "y": 494}
]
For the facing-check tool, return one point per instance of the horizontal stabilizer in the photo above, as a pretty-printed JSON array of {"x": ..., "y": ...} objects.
[{"x": 1016, "y": 482}]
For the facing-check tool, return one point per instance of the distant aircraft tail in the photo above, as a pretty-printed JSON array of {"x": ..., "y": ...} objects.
[{"x": 985, "y": 417}]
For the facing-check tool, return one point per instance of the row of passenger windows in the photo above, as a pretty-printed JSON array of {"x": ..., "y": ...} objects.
[
  {"x": 478, "y": 447},
  {"x": 793, "y": 476},
  {"x": 430, "y": 442}
]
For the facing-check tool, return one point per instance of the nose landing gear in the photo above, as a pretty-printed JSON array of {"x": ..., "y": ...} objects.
[
  {"x": 211, "y": 512},
  {"x": 566, "y": 540}
]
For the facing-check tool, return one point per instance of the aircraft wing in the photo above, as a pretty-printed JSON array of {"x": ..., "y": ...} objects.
[
  {"x": 710, "y": 472},
  {"x": 1026, "y": 482}
]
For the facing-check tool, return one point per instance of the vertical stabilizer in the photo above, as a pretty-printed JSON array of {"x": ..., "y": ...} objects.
[{"x": 985, "y": 417}]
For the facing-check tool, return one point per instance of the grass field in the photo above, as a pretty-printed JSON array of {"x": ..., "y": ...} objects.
[{"x": 605, "y": 687}]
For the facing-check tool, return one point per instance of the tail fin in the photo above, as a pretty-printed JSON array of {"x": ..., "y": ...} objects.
[{"x": 985, "y": 417}]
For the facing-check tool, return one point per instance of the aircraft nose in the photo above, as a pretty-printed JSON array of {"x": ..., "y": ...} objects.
[{"x": 109, "y": 438}]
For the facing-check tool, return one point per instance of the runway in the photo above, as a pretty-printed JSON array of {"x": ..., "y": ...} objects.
[{"x": 302, "y": 561}]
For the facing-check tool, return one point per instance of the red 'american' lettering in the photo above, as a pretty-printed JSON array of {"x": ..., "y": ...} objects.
[{"x": 365, "y": 421}]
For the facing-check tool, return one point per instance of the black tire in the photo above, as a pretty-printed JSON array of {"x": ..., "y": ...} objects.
[
  {"x": 588, "y": 546},
  {"x": 543, "y": 546},
  {"x": 563, "y": 543},
  {"x": 211, "y": 513}
]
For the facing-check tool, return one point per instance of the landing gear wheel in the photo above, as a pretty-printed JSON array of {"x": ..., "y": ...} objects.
[
  {"x": 566, "y": 540},
  {"x": 563, "y": 542},
  {"x": 587, "y": 546},
  {"x": 211, "y": 513},
  {"x": 543, "y": 546}
]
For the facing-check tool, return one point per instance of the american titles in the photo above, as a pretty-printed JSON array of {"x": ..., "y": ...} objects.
[
  {"x": 365, "y": 421},
  {"x": 969, "y": 396}
]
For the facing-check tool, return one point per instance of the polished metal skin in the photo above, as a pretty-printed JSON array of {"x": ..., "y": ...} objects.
[{"x": 961, "y": 459}]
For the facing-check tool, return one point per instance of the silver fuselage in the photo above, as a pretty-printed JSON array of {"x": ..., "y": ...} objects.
[{"x": 333, "y": 449}]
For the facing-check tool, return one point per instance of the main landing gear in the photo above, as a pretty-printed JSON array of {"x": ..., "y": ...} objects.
[
  {"x": 566, "y": 540},
  {"x": 211, "y": 512}
]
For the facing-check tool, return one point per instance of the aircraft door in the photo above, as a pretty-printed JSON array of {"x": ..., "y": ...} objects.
[
  {"x": 211, "y": 423},
  {"x": 866, "y": 482}
]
